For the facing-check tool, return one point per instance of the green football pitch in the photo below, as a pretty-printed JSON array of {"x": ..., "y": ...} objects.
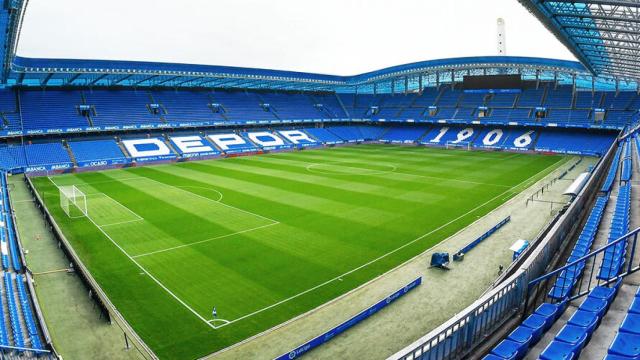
[{"x": 266, "y": 238}]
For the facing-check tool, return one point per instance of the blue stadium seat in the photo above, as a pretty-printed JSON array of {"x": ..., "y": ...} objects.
[
  {"x": 631, "y": 324},
  {"x": 626, "y": 344},
  {"x": 557, "y": 350},
  {"x": 508, "y": 349}
]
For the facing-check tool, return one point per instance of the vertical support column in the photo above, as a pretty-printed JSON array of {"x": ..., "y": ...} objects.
[
  {"x": 453, "y": 78},
  {"x": 420, "y": 83},
  {"x": 406, "y": 85}
]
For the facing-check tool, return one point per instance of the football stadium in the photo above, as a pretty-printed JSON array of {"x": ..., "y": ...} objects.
[{"x": 481, "y": 207}]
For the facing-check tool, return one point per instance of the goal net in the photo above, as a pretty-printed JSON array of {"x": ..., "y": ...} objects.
[
  {"x": 458, "y": 145},
  {"x": 73, "y": 201}
]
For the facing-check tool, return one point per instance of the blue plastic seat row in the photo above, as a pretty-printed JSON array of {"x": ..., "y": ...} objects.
[
  {"x": 614, "y": 256},
  {"x": 613, "y": 170},
  {"x": 567, "y": 279},
  {"x": 13, "y": 311},
  {"x": 28, "y": 314},
  {"x": 626, "y": 344},
  {"x": 576, "y": 333},
  {"x": 13, "y": 245},
  {"x": 625, "y": 174},
  {"x": 525, "y": 336}
]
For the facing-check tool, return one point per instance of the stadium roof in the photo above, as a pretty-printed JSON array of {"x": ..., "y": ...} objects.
[
  {"x": 68, "y": 72},
  {"x": 35, "y": 72},
  {"x": 603, "y": 34}
]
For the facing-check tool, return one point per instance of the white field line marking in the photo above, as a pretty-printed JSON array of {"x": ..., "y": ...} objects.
[
  {"x": 145, "y": 270},
  {"x": 204, "y": 241},
  {"x": 183, "y": 190},
  {"x": 223, "y": 321},
  {"x": 122, "y": 222},
  {"x": 394, "y": 170},
  {"x": 317, "y": 286},
  {"x": 453, "y": 180},
  {"x": 310, "y": 167},
  {"x": 209, "y": 199},
  {"x": 124, "y": 207},
  {"x": 390, "y": 252}
]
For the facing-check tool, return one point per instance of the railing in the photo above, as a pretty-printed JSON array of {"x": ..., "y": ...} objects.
[
  {"x": 131, "y": 338},
  {"x": 558, "y": 285},
  {"x": 462, "y": 334}
]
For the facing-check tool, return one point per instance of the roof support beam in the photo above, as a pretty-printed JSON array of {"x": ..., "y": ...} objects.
[
  {"x": 145, "y": 79},
  {"x": 72, "y": 79},
  {"x": 597, "y": 2},
  {"x": 122, "y": 79},
  {"x": 167, "y": 80},
  {"x": 45, "y": 81},
  {"x": 98, "y": 78}
]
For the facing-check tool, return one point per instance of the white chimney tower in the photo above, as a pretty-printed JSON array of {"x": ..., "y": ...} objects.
[{"x": 501, "y": 37}]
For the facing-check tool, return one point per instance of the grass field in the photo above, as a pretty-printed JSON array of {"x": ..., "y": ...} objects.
[{"x": 266, "y": 238}]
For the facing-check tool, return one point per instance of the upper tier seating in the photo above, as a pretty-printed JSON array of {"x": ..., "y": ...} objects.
[
  {"x": 120, "y": 107},
  {"x": 530, "y": 98},
  {"x": 58, "y": 111},
  {"x": 51, "y": 109},
  {"x": 621, "y": 101},
  {"x": 186, "y": 106},
  {"x": 292, "y": 106},
  {"x": 243, "y": 106},
  {"x": 560, "y": 98}
]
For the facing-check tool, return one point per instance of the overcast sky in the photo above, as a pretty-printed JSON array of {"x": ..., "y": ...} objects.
[{"x": 342, "y": 37}]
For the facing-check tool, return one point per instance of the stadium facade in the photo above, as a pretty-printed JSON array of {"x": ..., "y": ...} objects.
[{"x": 70, "y": 115}]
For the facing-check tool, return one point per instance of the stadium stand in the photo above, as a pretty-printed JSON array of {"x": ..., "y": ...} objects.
[
  {"x": 94, "y": 150},
  {"x": 626, "y": 344},
  {"x": 403, "y": 134},
  {"x": 324, "y": 136},
  {"x": 9, "y": 293},
  {"x": 27, "y": 314},
  {"x": 614, "y": 257},
  {"x": 574, "y": 142},
  {"x": 120, "y": 107},
  {"x": 51, "y": 109},
  {"x": 47, "y": 154}
]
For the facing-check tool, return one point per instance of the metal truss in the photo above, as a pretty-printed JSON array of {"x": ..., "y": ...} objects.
[{"x": 603, "y": 34}]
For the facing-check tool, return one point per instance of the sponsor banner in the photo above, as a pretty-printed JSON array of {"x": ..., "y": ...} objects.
[
  {"x": 200, "y": 154},
  {"x": 106, "y": 162},
  {"x": 304, "y": 348},
  {"x": 156, "y": 158},
  {"x": 52, "y": 167}
]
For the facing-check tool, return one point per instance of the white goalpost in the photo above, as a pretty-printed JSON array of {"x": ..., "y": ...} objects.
[
  {"x": 458, "y": 145},
  {"x": 73, "y": 201}
]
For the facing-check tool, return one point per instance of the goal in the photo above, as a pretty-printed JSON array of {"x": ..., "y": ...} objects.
[
  {"x": 458, "y": 145},
  {"x": 73, "y": 201}
]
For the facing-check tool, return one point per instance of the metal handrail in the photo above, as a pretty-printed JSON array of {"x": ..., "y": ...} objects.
[{"x": 590, "y": 255}]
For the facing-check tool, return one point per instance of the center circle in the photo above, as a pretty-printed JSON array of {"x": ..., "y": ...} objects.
[{"x": 350, "y": 168}]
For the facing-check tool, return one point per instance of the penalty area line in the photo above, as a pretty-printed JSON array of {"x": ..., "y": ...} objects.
[
  {"x": 205, "y": 240},
  {"x": 145, "y": 270}
]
